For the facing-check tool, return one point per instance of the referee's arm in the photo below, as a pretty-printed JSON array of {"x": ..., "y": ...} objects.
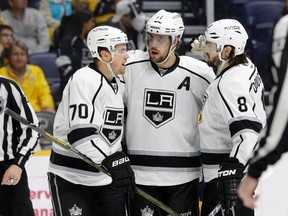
[
  {"x": 18, "y": 140},
  {"x": 274, "y": 143}
]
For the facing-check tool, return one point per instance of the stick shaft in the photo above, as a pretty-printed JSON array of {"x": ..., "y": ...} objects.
[
  {"x": 215, "y": 210},
  {"x": 85, "y": 158}
]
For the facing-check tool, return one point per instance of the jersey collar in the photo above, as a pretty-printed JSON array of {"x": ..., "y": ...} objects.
[{"x": 169, "y": 70}]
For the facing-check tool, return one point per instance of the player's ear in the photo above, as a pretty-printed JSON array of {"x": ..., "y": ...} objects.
[
  {"x": 105, "y": 55},
  {"x": 226, "y": 52}
]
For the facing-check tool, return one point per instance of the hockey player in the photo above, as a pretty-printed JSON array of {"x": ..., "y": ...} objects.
[
  {"x": 232, "y": 116},
  {"x": 274, "y": 143},
  {"x": 164, "y": 95},
  {"x": 90, "y": 118},
  {"x": 17, "y": 143}
]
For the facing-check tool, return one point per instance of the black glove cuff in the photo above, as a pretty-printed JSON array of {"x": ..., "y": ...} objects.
[
  {"x": 231, "y": 168},
  {"x": 118, "y": 160}
]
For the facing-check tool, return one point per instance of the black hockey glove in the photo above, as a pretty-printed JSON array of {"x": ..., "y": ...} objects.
[
  {"x": 118, "y": 164},
  {"x": 229, "y": 176}
]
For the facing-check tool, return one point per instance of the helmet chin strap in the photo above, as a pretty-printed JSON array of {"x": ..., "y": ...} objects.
[
  {"x": 110, "y": 69},
  {"x": 108, "y": 64},
  {"x": 223, "y": 62},
  {"x": 169, "y": 54}
]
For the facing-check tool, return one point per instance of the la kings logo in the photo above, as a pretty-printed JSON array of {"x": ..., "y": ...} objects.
[
  {"x": 113, "y": 124},
  {"x": 159, "y": 106}
]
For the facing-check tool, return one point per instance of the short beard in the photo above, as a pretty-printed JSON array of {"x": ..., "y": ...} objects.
[
  {"x": 158, "y": 60},
  {"x": 214, "y": 63}
]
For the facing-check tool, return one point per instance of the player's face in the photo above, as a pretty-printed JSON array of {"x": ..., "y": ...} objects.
[
  {"x": 158, "y": 47},
  {"x": 120, "y": 59},
  {"x": 212, "y": 54},
  {"x": 18, "y": 58}
]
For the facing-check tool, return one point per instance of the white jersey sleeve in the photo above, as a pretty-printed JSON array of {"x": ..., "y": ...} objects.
[{"x": 243, "y": 109}]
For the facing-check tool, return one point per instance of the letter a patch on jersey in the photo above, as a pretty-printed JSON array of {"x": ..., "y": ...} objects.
[
  {"x": 113, "y": 125},
  {"x": 159, "y": 106}
]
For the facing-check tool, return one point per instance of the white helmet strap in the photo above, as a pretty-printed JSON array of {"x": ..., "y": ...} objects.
[
  {"x": 171, "y": 50},
  {"x": 108, "y": 64}
]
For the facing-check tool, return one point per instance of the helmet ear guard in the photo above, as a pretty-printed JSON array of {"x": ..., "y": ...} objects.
[{"x": 227, "y": 32}]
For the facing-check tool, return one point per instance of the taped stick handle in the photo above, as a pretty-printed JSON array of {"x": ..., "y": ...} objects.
[{"x": 85, "y": 158}]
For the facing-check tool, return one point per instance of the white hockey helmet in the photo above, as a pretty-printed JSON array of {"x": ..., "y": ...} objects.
[
  {"x": 105, "y": 36},
  {"x": 227, "y": 32},
  {"x": 166, "y": 23}
]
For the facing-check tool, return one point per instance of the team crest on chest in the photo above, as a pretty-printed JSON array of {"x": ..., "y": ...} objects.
[
  {"x": 159, "y": 106},
  {"x": 113, "y": 125}
]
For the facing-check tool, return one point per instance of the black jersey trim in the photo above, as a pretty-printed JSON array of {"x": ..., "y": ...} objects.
[
  {"x": 80, "y": 133},
  {"x": 137, "y": 62},
  {"x": 194, "y": 73},
  {"x": 244, "y": 124},
  {"x": 252, "y": 73},
  {"x": 164, "y": 161},
  {"x": 213, "y": 158},
  {"x": 120, "y": 80},
  {"x": 170, "y": 69},
  {"x": 94, "y": 99},
  {"x": 74, "y": 163},
  {"x": 225, "y": 102}
]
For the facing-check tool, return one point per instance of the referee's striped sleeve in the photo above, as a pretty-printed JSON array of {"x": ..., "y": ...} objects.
[
  {"x": 274, "y": 143},
  {"x": 23, "y": 139}
]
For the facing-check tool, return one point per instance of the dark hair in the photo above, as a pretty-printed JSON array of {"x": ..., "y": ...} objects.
[
  {"x": 235, "y": 60},
  {"x": 3, "y": 27},
  {"x": 77, "y": 20}
]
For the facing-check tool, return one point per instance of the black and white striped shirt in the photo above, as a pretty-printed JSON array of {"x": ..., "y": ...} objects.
[
  {"x": 274, "y": 143},
  {"x": 17, "y": 141}
]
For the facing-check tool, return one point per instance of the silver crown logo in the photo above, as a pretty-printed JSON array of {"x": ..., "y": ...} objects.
[
  {"x": 157, "y": 117},
  {"x": 147, "y": 211},
  {"x": 75, "y": 210},
  {"x": 112, "y": 135}
]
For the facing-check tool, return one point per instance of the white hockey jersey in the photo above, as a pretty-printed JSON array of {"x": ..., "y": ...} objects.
[
  {"x": 162, "y": 132},
  {"x": 232, "y": 117},
  {"x": 90, "y": 118}
]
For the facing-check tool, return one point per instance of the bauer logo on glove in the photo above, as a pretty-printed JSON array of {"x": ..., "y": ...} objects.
[{"x": 120, "y": 161}]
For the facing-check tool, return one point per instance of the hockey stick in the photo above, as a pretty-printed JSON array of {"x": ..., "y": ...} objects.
[
  {"x": 217, "y": 209},
  {"x": 85, "y": 158}
]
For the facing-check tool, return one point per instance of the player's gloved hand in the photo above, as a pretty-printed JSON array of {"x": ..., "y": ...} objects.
[
  {"x": 197, "y": 47},
  {"x": 118, "y": 164},
  {"x": 229, "y": 176}
]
